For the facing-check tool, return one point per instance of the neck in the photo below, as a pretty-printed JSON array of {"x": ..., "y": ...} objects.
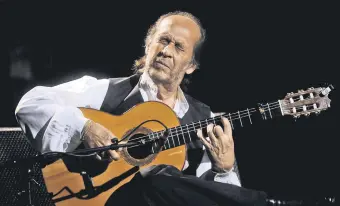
[
  {"x": 166, "y": 92},
  {"x": 167, "y": 95}
]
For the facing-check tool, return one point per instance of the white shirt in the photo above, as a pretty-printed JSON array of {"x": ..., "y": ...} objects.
[{"x": 59, "y": 105}]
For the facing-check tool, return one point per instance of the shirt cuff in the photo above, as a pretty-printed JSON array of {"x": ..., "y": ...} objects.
[
  {"x": 63, "y": 133},
  {"x": 227, "y": 177}
]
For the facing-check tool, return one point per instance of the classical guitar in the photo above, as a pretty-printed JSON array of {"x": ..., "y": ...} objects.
[{"x": 83, "y": 181}]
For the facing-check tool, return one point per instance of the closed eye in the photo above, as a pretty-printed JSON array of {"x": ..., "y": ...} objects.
[
  {"x": 164, "y": 41},
  {"x": 179, "y": 46}
]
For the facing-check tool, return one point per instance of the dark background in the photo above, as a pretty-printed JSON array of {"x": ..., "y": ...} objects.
[{"x": 255, "y": 52}]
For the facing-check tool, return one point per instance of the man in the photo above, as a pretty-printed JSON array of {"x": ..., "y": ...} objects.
[{"x": 51, "y": 116}]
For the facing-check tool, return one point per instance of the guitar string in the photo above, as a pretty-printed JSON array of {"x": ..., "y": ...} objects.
[
  {"x": 232, "y": 116},
  {"x": 152, "y": 140},
  {"x": 238, "y": 115},
  {"x": 193, "y": 126}
]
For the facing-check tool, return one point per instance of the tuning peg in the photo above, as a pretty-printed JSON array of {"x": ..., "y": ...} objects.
[
  {"x": 317, "y": 113},
  {"x": 296, "y": 116},
  {"x": 300, "y": 90},
  {"x": 307, "y": 114},
  {"x": 310, "y": 88}
]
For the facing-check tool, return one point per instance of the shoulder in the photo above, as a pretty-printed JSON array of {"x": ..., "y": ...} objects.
[
  {"x": 133, "y": 79},
  {"x": 82, "y": 83}
]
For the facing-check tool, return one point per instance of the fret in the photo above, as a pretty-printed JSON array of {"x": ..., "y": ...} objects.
[
  {"x": 281, "y": 105},
  {"x": 231, "y": 122},
  {"x": 214, "y": 120},
  {"x": 200, "y": 123},
  {"x": 179, "y": 142},
  {"x": 269, "y": 111},
  {"x": 249, "y": 116},
  {"x": 240, "y": 118},
  {"x": 188, "y": 132},
  {"x": 195, "y": 129},
  {"x": 183, "y": 135},
  {"x": 206, "y": 120},
  {"x": 172, "y": 137},
  {"x": 263, "y": 112},
  {"x": 167, "y": 139}
]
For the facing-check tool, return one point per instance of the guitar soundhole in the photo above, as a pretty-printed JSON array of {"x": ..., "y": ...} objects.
[{"x": 139, "y": 152}]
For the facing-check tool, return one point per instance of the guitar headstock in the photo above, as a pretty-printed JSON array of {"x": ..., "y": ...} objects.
[{"x": 306, "y": 102}]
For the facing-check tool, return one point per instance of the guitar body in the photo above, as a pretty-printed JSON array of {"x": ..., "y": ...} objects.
[{"x": 57, "y": 175}]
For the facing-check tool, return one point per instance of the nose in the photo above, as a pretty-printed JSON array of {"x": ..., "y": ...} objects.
[{"x": 167, "y": 51}]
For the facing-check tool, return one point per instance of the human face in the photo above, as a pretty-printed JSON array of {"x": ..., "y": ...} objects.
[{"x": 169, "y": 53}]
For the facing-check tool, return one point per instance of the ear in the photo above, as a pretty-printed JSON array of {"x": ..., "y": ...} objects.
[{"x": 191, "y": 68}]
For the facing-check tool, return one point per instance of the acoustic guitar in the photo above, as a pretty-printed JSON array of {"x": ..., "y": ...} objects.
[{"x": 83, "y": 181}]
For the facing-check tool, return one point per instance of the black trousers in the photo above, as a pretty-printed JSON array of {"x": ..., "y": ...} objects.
[{"x": 165, "y": 185}]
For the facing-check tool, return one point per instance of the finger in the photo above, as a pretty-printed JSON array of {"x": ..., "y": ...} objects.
[
  {"x": 100, "y": 155},
  {"x": 211, "y": 135},
  {"x": 218, "y": 131},
  {"x": 224, "y": 139},
  {"x": 112, "y": 153},
  {"x": 226, "y": 126},
  {"x": 203, "y": 140}
]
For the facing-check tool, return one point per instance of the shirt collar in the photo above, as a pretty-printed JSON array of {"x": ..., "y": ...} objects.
[{"x": 149, "y": 92}]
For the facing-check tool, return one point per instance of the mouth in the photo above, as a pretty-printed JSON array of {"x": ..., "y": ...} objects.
[{"x": 162, "y": 64}]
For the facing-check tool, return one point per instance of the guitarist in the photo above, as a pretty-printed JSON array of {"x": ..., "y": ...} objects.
[{"x": 172, "y": 48}]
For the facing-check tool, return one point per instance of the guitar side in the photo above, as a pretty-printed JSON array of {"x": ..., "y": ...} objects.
[{"x": 57, "y": 176}]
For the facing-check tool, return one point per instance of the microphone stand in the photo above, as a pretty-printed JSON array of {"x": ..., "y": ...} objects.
[{"x": 26, "y": 165}]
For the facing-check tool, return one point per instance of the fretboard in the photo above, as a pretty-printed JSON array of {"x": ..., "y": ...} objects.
[{"x": 184, "y": 134}]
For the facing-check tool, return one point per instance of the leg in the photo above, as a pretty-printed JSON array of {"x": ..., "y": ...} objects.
[{"x": 165, "y": 185}]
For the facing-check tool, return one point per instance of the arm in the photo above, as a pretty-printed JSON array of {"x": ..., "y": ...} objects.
[
  {"x": 227, "y": 176},
  {"x": 49, "y": 115}
]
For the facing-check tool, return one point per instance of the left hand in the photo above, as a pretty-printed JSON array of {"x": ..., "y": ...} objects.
[{"x": 220, "y": 146}]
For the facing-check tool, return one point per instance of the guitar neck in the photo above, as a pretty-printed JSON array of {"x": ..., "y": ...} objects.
[{"x": 184, "y": 134}]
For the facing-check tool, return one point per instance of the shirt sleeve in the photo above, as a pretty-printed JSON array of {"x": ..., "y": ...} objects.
[
  {"x": 204, "y": 171},
  {"x": 50, "y": 117}
]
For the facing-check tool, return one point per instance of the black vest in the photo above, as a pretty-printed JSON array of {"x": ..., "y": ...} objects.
[{"x": 123, "y": 94}]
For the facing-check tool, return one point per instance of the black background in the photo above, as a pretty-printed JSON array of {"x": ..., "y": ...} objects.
[{"x": 255, "y": 52}]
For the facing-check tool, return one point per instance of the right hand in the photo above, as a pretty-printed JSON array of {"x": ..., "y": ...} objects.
[{"x": 95, "y": 135}]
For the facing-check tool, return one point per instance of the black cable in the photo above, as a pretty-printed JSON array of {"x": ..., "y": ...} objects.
[{"x": 72, "y": 154}]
